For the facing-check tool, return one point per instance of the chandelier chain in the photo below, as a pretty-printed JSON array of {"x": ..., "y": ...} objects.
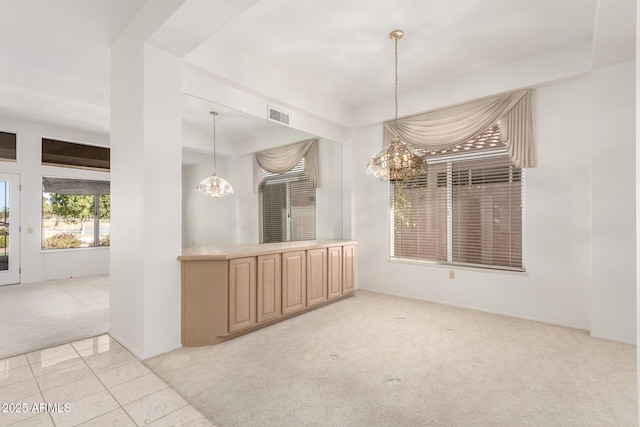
[
  {"x": 396, "y": 84},
  {"x": 214, "y": 114}
]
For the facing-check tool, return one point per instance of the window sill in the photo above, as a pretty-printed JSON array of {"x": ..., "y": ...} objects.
[
  {"x": 456, "y": 267},
  {"x": 55, "y": 251}
]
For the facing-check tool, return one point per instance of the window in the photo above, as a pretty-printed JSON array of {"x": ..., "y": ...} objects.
[
  {"x": 75, "y": 213},
  {"x": 72, "y": 155},
  {"x": 7, "y": 146},
  {"x": 287, "y": 206},
  {"x": 466, "y": 210}
]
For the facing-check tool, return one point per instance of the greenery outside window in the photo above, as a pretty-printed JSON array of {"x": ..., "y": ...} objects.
[{"x": 75, "y": 213}]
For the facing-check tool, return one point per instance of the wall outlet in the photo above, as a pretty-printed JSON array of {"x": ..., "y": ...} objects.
[{"x": 452, "y": 274}]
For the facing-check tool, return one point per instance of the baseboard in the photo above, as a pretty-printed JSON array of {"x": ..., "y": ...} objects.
[
  {"x": 611, "y": 338},
  {"x": 483, "y": 310}
]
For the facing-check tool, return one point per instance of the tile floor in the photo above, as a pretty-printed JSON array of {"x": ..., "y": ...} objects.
[{"x": 92, "y": 382}]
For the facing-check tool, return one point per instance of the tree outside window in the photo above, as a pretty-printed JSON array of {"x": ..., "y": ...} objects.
[{"x": 75, "y": 220}]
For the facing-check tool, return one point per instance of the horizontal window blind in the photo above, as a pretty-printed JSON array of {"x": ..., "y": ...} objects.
[
  {"x": 288, "y": 206},
  {"x": 461, "y": 212},
  {"x": 72, "y": 155},
  {"x": 8, "y": 146}
]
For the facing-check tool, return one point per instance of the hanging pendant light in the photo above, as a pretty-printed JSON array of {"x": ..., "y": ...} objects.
[
  {"x": 397, "y": 160},
  {"x": 214, "y": 185}
]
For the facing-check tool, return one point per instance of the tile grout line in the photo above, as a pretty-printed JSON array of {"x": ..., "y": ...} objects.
[
  {"x": 35, "y": 379},
  {"x": 166, "y": 386},
  {"x": 151, "y": 372},
  {"x": 107, "y": 388}
]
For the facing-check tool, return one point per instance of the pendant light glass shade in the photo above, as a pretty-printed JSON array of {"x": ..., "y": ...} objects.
[
  {"x": 397, "y": 160},
  {"x": 214, "y": 185}
]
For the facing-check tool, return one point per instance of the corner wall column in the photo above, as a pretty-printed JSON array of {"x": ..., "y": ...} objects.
[{"x": 146, "y": 175}]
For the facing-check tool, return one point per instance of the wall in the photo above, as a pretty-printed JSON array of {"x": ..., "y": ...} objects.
[
  {"x": 613, "y": 312},
  {"x": 38, "y": 265},
  {"x": 206, "y": 219},
  {"x": 146, "y": 183},
  {"x": 556, "y": 287}
]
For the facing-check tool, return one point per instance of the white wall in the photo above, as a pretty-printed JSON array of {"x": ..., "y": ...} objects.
[
  {"x": 613, "y": 314},
  {"x": 556, "y": 288},
  {"x": 146, "y": 182},
  {"x": 244, "y": 225},
  {"x": 206, "y": 220},
  {"x": 329, "y": 193},
  {"x": 38, "y": 265}
]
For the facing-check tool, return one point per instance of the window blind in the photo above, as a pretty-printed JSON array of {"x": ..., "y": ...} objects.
[
  {"x": 72, "y": 155},
  {"x": 288, "y": 206},
  {"x": 8, "y": 146},
  {"x": 463, "y": 211}
]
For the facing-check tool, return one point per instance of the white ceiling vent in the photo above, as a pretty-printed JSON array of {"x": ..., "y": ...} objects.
[{"x": 278, "y": 116}]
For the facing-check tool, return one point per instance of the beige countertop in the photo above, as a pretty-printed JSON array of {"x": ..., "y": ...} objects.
[{"x": 254, "y": 249}]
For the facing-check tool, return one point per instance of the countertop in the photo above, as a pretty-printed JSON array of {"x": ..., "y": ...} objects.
[{"x": 254, "y": 249}]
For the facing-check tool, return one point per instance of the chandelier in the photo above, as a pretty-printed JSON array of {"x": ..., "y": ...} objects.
[
  {"x": 214, "y": 185},
  {"x": 397, "y": 160}
]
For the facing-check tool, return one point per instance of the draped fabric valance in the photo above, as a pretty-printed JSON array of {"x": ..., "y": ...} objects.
[
  {"x": 281, "y": 159},
  {"x": 448, "y": 127}
]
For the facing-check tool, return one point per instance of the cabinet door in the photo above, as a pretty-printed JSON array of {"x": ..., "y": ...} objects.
[
  {"x": 294, "y": 283},
  {"x": 348, "y": 269},
  {"x": 242, "y": 293},
  {"x": 269, "y": 287},
  {"x": 316, "y": 276},
  {"x": 334, "y": 272}
]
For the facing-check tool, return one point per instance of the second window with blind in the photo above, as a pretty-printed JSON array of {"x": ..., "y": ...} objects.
[
  {"x": 466, "y": 210},
  {"x": 287, "y": 206}
]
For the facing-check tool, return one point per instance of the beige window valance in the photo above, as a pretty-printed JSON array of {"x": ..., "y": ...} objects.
[
  {"x": 448, "y": 127},
  {"x": 282, "y": 159}
]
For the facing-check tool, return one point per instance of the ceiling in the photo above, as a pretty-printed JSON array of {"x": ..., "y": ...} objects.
[
  {"x": 54, "y": 56},
  {"x": 342, "y": 46}
]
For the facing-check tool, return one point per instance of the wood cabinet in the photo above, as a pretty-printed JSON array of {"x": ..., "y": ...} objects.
[
  {"x": 334, "y": 272},
  {"x": 242, "y": 293},
  {"x": 348, "y": 269},
  {"x": 294, "y": 281},
  {"x": 316, "y": 276},
  {"x": 269, "y": 303},
  {"x": 227, "y": 292}
]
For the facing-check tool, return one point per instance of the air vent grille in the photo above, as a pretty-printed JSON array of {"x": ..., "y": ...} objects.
[{"x": 278, "y": 116}]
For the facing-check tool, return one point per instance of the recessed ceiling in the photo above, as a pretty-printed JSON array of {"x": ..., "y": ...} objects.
[
  {"x": 341, "y": 48},
  {"x": 54, "y": 55}
]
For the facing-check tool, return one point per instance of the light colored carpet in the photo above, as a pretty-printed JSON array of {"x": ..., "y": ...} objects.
[
  {"x": 44, "y": 314},
  {"x": 377, "y": 360}
]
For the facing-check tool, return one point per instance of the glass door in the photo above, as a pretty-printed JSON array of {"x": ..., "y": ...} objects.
[{"x": 9, "y": 229}]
